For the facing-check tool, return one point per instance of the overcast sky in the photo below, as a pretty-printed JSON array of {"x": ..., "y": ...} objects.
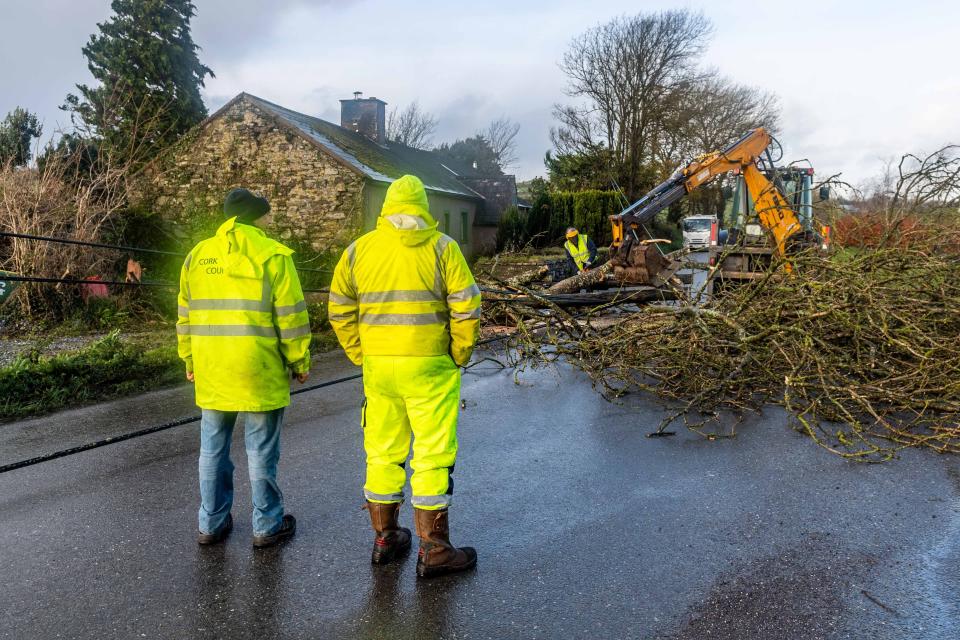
[{"x": 860, "y": 82}]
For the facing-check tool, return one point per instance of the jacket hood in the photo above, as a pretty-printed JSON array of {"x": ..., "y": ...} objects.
[
  {"x": 407, "y": 196},
  {"x": 248, "y": 243},
  {"x": 406, "y": 211},
  {"x": 410, "y": 229}
]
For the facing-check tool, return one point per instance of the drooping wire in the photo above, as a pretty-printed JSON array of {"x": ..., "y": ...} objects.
[{"x": 117, "y": 247}]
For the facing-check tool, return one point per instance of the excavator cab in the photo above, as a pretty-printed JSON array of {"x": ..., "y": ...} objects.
[{"x": 796, "y": 186}]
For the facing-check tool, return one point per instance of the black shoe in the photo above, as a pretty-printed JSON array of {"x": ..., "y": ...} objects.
[
  {"x": 288, "y": 526},
  {"x": 219, "y": 536}
]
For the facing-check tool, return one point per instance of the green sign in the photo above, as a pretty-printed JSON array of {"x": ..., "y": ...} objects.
[{"x": 7, "y": 287}]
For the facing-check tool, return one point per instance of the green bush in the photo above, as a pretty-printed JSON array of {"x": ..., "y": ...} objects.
[
  {"x": 108, "y": 368},
  {"x": 553, "y": 213},
  {"x": 512, "y": 233}
]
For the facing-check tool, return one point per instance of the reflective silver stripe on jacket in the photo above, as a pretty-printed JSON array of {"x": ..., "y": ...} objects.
[
  {"x": 336, "y": 298},
  {"x": 439, "y": 248},
  {"x": 432, "y": 501},
  {"x": 186, "y": 268},
  {"x": 266, "y": 293},
  {"x": 227, "y": 330},
  {"x": 399, "y": 295},
  {"x": 290, "y": 309},
  {"x": 384, "y": 497},
  {"x": 432, "y": 317},
  {"x": 263, "y": 305},
  {"x": 466, "y": 315},
  {"x": 351, "y": 259},
  {"x": 343, "y": 317},
  {"x": 464, "y": 295},
  {"x": 295, "y": 332},
  {"x": 229, "y": 304},
  {"x": 182, "y": 311}
]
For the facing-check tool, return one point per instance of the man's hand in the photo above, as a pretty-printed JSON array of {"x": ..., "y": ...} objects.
[
  {"x": 190, "y": 376},
  {"x": 302, "y": 377}
]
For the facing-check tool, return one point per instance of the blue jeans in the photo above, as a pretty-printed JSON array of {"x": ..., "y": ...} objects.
[{"x": 262, "y": 435}]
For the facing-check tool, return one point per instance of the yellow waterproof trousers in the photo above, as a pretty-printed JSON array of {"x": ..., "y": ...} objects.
[{"x": 410, "y": 395}]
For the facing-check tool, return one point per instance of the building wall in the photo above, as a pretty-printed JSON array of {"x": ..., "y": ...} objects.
[
  {"x": 316, "y": 202},
  {"x": 485, "y": 242},
  {"x": 459, "y": 210}
]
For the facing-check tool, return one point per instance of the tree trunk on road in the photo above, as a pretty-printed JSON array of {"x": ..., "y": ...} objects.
[{"x": 581, "y": 280}]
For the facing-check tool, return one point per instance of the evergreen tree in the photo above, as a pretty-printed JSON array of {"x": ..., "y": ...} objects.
[
  {"x": 17, "y": 133},
  {"x": 150, "y": 77},
  {"x": 474, "y": 154}
]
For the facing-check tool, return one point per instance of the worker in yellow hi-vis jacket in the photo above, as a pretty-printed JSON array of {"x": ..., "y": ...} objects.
[
  {"x": 404, "y": 305},
  {"x": 242, "y": 325}
]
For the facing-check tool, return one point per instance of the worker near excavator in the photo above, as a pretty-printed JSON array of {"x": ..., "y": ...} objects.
[
  {"x": 242, "y": 326},
  {"x": 405, "y": 306},
  {"x": 581, "y": 252}
]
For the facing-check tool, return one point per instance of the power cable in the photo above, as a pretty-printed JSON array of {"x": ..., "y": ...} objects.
[
  {"x": 178, "y": 423},
  {"x": 83, "y": 243},
  {"x": 143, "y": 432},
  {"x": 172, "y": 285},
  {"x": 117, "y": 247}
]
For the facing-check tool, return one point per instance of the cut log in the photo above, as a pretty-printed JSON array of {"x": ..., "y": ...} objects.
[
  {"x": 527, "y": 277},
  {"x": 581, "y": 280}
]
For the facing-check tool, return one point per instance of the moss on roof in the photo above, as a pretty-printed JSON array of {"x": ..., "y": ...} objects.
[{"x": 381, "y": 163}]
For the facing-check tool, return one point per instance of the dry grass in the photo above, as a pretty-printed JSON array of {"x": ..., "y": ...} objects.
[{"x": 57, "y": 200}]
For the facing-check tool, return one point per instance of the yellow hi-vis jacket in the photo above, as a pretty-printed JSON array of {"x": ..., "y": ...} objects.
[
  {"x": 579, "y": 252},
  {"x": 405, "y": 289},
  {"x": 242, "y": 321}
]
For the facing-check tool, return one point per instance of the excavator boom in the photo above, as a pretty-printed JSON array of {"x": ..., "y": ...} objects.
[{"x": 774, "y": 211}]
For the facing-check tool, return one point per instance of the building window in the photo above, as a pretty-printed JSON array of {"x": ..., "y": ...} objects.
[
  {"x": 464, "y": 227},
  {"x": 446, "y": 222}
]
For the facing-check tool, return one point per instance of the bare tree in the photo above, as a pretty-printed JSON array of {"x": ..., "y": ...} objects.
[
  {"x": 710, "y": 113},
  {"x": 412, "y": 126},
  {"x": 502, "y": 136},
  {"x": 624, "y": 74}
]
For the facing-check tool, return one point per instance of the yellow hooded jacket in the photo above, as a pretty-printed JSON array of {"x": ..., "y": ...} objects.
[
  {"x": 242, "y": 320},
  {"x": 405, "y": 289}
]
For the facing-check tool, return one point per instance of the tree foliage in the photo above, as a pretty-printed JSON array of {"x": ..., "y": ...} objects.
[
  {"x": 149, "y": 76},
  {"x": 474, "y": 153},
  {"x": 553, "y": 212},
  {"x": 17, "y": 133},
  {"x": 643, "y": 104},
  {"x": 411, "y": 126}
]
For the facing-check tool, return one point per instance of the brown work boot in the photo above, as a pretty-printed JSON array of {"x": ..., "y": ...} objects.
[
  {"x": 392, "y": 540},
  {"x": 437, "y": 555}
]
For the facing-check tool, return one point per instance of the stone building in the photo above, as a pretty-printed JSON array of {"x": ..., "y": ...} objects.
[{"x": 325, "y": 182}]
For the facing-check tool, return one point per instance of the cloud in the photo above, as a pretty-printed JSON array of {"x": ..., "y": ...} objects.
[
  {"x": 861, "y": 82},
  {"x": 232, "y": 30}
]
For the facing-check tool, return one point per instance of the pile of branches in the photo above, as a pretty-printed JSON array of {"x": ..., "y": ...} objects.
[{"x": 861, "y": 349}]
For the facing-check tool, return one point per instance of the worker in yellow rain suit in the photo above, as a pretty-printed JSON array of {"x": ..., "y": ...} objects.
[
  {"x": 242, "y": 325},
  {"x": 404, "y": 305}
]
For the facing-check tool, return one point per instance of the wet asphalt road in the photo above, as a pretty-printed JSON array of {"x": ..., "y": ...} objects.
[{"x": 585, "y": 528}]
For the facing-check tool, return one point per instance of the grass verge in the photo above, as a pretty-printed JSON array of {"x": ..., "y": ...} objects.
[{"x": 108, "y": 368}]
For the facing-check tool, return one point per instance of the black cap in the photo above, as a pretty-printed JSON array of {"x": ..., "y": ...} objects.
[{"x": 245, "y": 206}]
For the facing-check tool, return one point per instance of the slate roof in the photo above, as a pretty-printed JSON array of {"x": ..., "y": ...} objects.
[
  {"x": 379, "y": 163},
  {"x": 498, "y": 193}
]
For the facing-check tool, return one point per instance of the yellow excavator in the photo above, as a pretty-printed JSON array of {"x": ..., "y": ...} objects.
[{"x": 633, "y": 258}]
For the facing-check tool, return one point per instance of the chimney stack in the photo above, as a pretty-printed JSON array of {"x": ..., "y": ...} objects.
[{"x": 366, "y": 116}]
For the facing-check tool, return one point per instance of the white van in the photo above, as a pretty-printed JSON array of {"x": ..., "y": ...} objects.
[{"x": 696, "y": 231}]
